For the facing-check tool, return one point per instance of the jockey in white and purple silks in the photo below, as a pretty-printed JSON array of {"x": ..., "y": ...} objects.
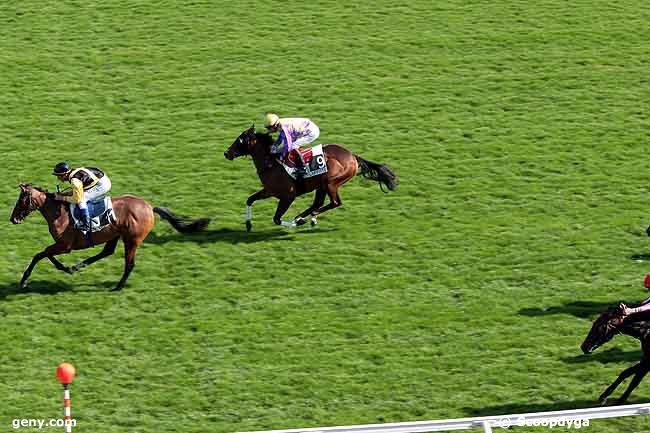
[{"x": 294, "y": 132}]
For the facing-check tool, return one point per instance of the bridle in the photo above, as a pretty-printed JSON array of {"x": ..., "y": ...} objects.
[
  {"x": 31, "y": 207},
  {"x": 251, "y": 140}
]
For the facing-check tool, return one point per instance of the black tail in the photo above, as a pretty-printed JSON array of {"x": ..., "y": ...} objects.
[
  {"x": 378, "y": 172},
  {"x": 182, "y": 224}
]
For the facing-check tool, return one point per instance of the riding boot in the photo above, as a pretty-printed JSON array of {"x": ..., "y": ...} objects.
[
  {"x": 86, "y": 226},
  {"x": 300, "y": 166}
]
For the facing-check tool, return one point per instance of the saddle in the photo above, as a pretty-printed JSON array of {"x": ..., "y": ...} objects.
[
  {"x": 100, "y": 211},
  {"x": 314, "y": 159}
]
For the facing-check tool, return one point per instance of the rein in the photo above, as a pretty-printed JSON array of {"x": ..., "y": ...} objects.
[
  {"x": 30, "y": 204},
  {"x": 267, "y": 162}
]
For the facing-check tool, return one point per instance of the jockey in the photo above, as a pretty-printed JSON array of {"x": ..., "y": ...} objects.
[
  {"x": 645, "y": 305},
  {"x": 294, "y": 132},
  {"x": 88, "y": 184}
]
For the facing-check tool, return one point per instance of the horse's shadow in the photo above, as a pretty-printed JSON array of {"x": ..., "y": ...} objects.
[
  {"x": 520, "y": 408},
  {"x": 34, "y": 287},
  {"x": 232, "y": 236},
  {"x": 581, "y": 309},
  {"x": 641, "y": 257},
  {"x": 613, "y": 355}
]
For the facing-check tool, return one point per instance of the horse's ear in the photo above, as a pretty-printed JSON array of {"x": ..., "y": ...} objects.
[
  {"x": 22, "y": 186},
  {"x": 253, "y": 127}
]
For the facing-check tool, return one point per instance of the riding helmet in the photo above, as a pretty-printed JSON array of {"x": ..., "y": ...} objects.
[
  {"x": 61, "y": 168},
  {"x": 271, "y": 120}
]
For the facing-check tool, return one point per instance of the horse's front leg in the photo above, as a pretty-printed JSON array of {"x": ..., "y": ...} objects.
[
  {"x": 621, "y": 377},
  {"x": 108, "y": 250},
  {"x": 60, "y": 266},
  {"x": 283, "y": 206},
  {"x": 259, "y": 195},
  {"x": 638, "y": 377},
  {"x": 48, "y": 252}
]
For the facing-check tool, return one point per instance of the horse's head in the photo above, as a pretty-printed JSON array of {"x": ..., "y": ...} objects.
[
  {"x": 243, "y": 145},
  {"x": 603, "y": 329},
  {"x": 29, "y": 200}
]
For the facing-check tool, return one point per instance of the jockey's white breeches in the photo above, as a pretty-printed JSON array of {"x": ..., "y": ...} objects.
[
  {"x": 311, "y": 135},
  {"x": 101, "y": 188}
]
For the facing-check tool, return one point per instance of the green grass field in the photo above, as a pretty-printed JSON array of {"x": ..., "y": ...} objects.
[{"x": 519, "y": 132}]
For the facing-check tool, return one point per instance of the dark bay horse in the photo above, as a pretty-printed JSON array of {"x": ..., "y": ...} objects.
[
  {"x": 604, "y": 328},
  {"x": 342, "y": 165},
  {"x": 134, "y": 220}
]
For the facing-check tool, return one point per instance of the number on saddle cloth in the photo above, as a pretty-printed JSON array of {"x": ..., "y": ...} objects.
[{"x": 314, "y": 162}]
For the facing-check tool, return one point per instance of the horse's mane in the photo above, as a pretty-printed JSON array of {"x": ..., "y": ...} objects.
[
  {"x": 633, "y": 320},
  {"x": 265, "y": 138},
  {"x": 39, "y": 189},
  {"x": 637, "y": 321}
]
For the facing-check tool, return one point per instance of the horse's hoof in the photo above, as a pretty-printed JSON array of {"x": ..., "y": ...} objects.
[
  {"x": 75, "y": 268},
  {"x": 300, "y": 221},
  {"x": 116, "y": 289},
  {"x": 249, "y": 226},
  {"x": 602, "y": 401},
  {"x": 314, "y": 221},
  {"x": 23, "y": 285}
]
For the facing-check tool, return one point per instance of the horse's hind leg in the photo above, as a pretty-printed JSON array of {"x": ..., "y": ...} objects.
[
  {"x": 335, "y": 200},
  {"x": 130, "y": 248},
  {"x": 621, "y": 377},
  {"x": 319, "y": 199},
  {"x": 108, "y": 250},
  {"x": 48, "y": 252}
]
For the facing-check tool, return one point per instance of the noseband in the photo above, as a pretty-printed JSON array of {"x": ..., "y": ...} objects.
[{"x": 31, "y": 207}]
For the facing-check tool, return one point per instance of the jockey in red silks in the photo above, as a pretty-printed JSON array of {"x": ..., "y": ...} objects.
[
  {"x": 645, "y": 305},
  {"x": 294, "y": 132}
]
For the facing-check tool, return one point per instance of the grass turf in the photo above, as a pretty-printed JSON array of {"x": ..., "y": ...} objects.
[{"x": 519, "y": 133}]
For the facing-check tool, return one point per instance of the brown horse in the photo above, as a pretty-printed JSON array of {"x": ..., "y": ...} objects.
[
  {"x": 604, "y": 328},
  {"x": 342, "y": 165},
  {"x": 134, "y": 220}
]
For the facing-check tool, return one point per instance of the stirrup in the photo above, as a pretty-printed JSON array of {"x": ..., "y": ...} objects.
[{"x": 88, "y": 236}]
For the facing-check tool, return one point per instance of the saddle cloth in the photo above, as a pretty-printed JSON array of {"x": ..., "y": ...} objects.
[
  {"x": 100, "y": 211},
  {"x": 314, "y": 159}
]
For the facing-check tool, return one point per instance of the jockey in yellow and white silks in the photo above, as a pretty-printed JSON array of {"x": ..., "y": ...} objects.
[
  {"x": 294, "y": 132},
  {"x": 88, "y": 184}
]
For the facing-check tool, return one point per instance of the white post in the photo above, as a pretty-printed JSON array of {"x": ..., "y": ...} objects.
[{"x": 487, "y": 428}]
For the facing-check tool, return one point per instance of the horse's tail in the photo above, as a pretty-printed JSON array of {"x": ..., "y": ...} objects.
[
  {"x": 377, "y": 172},
  {"x": 182, "y": 224}
]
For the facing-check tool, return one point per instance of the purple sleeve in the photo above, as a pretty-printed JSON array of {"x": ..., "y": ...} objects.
[
  {"x": 279, "y": 147},
  {"x": 282, "y": 144}
]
